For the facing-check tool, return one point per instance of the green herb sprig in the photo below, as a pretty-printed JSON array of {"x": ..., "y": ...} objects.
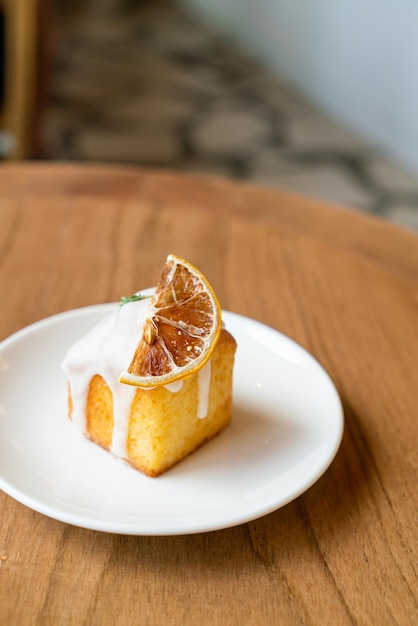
[{"x": 134, "y": 298}]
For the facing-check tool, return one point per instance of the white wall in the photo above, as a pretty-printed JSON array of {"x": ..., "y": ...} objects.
[{"x": 358, "y": 59}]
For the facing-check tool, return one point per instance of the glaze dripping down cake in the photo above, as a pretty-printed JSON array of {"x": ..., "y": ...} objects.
[{"x": 152, "y": 382}]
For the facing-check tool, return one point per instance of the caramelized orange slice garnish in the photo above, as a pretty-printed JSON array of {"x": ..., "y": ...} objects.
[{"x": 181, "y": 330}]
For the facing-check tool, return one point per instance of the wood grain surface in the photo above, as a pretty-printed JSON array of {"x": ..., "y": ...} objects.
[{"x": 343, "y": 285}]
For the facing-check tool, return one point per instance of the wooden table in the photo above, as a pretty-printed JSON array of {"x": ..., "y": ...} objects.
[{"x": 343, "y": 285}]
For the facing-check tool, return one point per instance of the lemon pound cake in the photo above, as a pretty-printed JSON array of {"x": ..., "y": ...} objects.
[{"x": 152, "y": 382}]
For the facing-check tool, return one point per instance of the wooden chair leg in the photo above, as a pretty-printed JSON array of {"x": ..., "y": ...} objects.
[{"x": 21, "y": 37}]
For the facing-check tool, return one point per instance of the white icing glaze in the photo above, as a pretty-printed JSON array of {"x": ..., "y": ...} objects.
[{"x": 106, "y": 350}]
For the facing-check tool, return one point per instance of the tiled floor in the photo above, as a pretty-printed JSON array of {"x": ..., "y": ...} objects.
[{"x": 142, "y": 82}]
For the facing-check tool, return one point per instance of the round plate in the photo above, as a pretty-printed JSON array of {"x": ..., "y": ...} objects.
[{"x": 286, "y": 427}]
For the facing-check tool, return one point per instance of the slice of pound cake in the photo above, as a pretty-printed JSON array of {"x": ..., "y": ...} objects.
[{"x": 152, "y": 382}]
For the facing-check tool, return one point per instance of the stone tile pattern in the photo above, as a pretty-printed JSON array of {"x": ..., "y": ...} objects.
[{"x": 145, "y": 83}]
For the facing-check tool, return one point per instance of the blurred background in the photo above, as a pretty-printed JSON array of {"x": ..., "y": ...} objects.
[{"x": 315, "y": 97}]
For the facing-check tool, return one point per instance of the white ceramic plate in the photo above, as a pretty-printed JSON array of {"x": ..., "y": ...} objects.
[{"x": 286, "y": 428}]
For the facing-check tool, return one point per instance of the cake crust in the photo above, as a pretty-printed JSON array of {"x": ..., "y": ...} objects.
[{"x": 163, "y": 425}]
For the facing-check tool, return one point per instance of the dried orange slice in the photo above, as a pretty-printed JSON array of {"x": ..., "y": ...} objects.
[{"x": 181, "y": 329}]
